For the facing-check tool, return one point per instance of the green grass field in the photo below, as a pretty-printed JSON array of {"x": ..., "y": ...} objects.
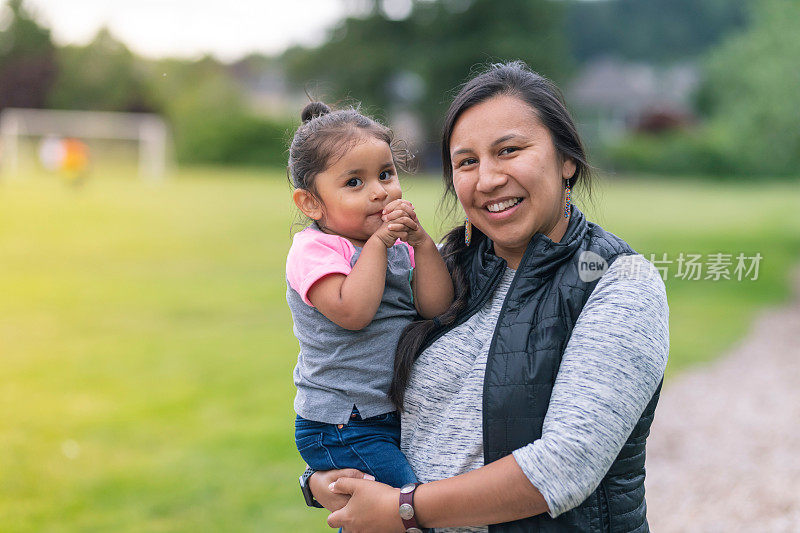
[{"x": 146, "y": 348}]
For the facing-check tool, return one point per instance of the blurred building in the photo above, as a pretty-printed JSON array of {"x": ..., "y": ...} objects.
[
  {"x": 268, "y": 93},
  {"x": 266, "y": 88},
  {"x": 613, "y": 97}
]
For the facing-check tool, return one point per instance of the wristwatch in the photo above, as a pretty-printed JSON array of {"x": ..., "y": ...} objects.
[{"x": 306, "y": 490}]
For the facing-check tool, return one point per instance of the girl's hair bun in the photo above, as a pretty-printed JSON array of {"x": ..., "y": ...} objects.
[{"x": 314, "y": 110}]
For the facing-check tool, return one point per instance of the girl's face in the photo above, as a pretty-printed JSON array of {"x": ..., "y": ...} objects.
[
  {"x": 508, "y": 175},
  {"x": 352, "y": 192}
]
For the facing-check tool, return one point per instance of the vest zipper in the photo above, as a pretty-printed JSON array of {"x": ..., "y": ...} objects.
[
  {"x": 494, "y": 342},
  {"x": 605, "y": 510}
]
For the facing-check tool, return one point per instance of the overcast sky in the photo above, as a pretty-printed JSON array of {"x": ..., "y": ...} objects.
[{"x": 187, "y": 28}]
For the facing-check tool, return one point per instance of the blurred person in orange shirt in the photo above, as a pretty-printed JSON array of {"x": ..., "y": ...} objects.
[{"x": 75, "y": 162}]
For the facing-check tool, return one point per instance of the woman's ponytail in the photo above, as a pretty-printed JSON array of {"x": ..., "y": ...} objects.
[{"x": 418, "y": 333}]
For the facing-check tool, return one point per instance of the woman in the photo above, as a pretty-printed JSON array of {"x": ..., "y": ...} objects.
[{"x": 528, "y": 403}]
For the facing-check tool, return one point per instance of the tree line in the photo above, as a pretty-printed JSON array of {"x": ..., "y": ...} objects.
[{"x": 747, "y": 53}]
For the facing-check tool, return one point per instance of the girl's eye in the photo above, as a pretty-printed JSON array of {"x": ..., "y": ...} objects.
[
  {"x": 508, "y": 150},
  {"x": 353, "y": 182},
  {"x": 385, "y": 175}
]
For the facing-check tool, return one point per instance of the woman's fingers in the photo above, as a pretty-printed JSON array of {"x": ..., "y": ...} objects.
[
  {"x": 346, "y": 487},
  {"x": 320, "y": 481},
  {"x": 353, "y": 473},
  {"x": 343, "y": 486},
  {"x": 336, "y": 519},
  {"x": 371, "y": 507},
  {"x": 330, "y": 476}
]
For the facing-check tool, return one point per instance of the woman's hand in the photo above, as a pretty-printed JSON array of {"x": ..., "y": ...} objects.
[
  {"x": 321, "y": 480},
  {"x": 372, "y": 506}
]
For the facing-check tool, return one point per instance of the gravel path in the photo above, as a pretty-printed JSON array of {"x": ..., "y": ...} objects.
[{"x": 724, "y": 452}]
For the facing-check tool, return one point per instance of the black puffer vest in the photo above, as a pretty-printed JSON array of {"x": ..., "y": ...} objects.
[{"x": 535, "y": 323}]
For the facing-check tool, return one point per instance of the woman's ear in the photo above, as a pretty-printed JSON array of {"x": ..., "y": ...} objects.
[
  {"x": 568, "y": 168},
  {"x": 307, "y": 203}
]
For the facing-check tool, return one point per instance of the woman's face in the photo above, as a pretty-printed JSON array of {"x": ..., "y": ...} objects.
[{"x": 508, "y": 175}]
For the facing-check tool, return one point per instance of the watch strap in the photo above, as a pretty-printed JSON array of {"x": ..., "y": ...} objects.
[{"x": 306, "y": 490}]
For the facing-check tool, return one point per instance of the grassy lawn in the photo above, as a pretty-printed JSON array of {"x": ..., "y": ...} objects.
[{"x": 147, "y": 351}]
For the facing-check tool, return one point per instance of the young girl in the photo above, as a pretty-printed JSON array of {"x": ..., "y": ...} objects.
[{"x": 356, "y": 277}]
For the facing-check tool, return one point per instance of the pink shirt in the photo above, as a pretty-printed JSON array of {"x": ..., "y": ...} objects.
[
  {"x": 315, "y": 254},
  {"x": 338, "y": 368}
]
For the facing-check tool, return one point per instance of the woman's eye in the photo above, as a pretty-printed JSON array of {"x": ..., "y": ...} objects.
[
  {"x": 353, "y": 182},
  {"x": 466, "y": 162},
  {"x": 508, "y": 150},
  {"x": 385, "y": 175}
]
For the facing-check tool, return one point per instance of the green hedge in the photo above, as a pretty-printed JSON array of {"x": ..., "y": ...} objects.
[
  {"x": 233, "y": 138},
  {"x": 707, "y": 150},
  {"x": 673, "y": 153}
]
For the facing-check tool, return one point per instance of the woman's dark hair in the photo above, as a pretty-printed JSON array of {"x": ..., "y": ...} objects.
[
  {"x": 545, "y": 99},
  {"x": 325, "y": 135}
]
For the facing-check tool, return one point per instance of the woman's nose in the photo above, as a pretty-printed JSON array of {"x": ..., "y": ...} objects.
[{"x": 490, "y": 177}]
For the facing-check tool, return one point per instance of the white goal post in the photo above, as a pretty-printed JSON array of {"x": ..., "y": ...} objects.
[{"x": 149, "y": 130}]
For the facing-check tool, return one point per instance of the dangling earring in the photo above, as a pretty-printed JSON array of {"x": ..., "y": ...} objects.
[
  {"x": 467, "y": 231},
  {"x": 568, "y": 202}
]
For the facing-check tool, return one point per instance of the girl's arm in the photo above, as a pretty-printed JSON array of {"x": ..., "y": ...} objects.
[
  {"x": 431, "y": 284},
  {"x": 351, "y": 301}
]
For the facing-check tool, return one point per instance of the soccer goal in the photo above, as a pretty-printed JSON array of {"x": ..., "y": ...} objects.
[{"x": 149, "y": 131}]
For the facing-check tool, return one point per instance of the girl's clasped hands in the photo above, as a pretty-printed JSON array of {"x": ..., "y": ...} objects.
[{"x": 400, "y": 222}]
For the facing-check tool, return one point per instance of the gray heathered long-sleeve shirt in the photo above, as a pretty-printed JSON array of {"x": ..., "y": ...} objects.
[{"x": 611, "y": 367}]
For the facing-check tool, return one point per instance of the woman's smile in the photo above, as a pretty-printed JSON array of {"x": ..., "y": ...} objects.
[
  {"x": 502, "y": 208},
  {"x": 508, "y": 174}
]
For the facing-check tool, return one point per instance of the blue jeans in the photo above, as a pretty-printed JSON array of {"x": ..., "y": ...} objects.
[{"x": 371, "y": 445}]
